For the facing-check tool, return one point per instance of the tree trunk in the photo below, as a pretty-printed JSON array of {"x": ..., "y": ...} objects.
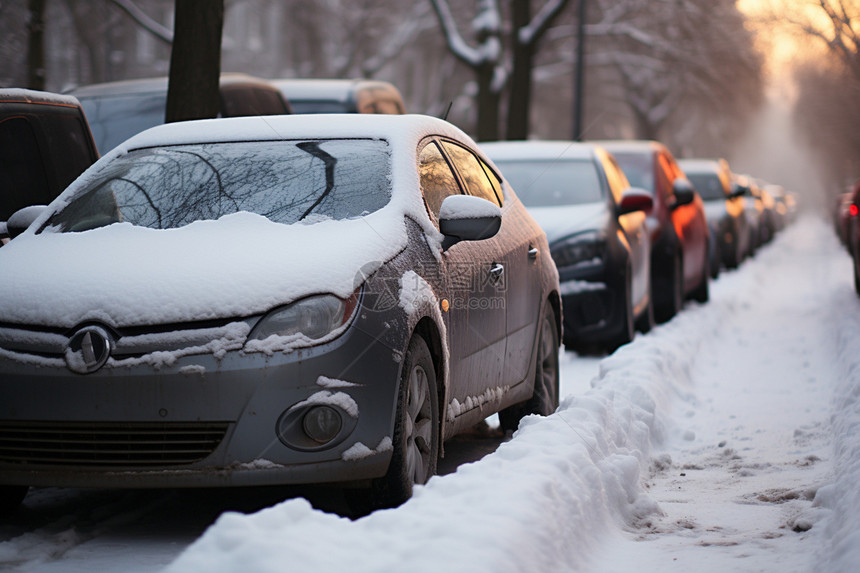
[
  {"x": 488, "y": 104},
  {"x": 195, "y": 60},
  {"x": 519, "y": 102},
  {"x": 36, "y": 46}
]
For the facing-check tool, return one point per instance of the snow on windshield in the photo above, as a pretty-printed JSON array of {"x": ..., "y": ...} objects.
[{"x": 285, "y": 181}]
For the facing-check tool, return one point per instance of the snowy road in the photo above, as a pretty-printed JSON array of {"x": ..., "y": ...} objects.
[{"x": 723, "y": 440}]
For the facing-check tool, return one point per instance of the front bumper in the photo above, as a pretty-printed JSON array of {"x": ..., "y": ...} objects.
[
  {"x": 590, "y": 297},
  {"x": 58, "y": 428}
]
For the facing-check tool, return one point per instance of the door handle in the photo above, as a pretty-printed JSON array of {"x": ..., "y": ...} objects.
[
  {"x": 533, "y": 252},
  {"x": 497, "y": 272}
]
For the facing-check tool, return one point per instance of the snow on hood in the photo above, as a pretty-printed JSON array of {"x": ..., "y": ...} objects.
[
  {"x": 560, "y": 222},
  {"x": 240, "y": 265}
]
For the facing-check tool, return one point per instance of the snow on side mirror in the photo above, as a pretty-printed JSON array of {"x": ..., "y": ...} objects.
[
  {"x": 468, "y": 218},
  {"x": 23, "y": 218}
]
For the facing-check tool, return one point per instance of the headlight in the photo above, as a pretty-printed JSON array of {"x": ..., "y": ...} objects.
[
  {"x": 579, "y": 248},
  {"x": 314, "y": 317}
]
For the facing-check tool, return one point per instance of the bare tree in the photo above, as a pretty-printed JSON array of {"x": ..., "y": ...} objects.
[
  {"x": 36, "y": 46},
  {"x": 526, "y": 33},
  {"x": 485, "y": 59},
  {"x": 195, "y": 61}
]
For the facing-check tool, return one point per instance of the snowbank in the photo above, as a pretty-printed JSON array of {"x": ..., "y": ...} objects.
[
  {"x": 538, "y": 503},
  {"x": 841, "y": 548}
]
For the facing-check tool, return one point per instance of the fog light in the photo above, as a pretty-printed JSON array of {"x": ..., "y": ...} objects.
[{"x": 322, "y": 424}]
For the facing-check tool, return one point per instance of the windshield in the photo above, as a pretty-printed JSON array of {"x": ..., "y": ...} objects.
[
  {"x": 113, "y": 119},
  {"x": 639, "y": 169},
  {"x": 285, "y": 181},
  {"x": 549, "y": 183},
  {"x": 708, "y": 185}
]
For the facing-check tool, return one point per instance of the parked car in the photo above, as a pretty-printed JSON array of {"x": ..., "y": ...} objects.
[
  {"x": 45, "y": 143},
  {"x": 852, "y": 234},
  {"x": 279, "y": 300},
  {"x": 680, "y": 265},
  {"x": 118, "y": 110},
  {"x": 725, "y": 208},
  {"x": 842, "y": 217},
  {"x": 595, "y": 224},
  {"x": 341, "y": 96}
]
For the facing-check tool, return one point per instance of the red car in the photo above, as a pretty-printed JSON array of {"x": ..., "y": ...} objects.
[{"x": 680, "y": 266}]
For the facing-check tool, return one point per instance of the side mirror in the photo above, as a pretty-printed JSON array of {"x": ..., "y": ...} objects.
[
  {"x": 468, "y": 218},
  {"x": 23, "y": 218},
  {"x": 739, "y": 190},
  {"x": 684, "y": 192},
  {"x": 635, "y": 199}
]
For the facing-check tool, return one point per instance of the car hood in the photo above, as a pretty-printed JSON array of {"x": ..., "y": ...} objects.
[
  {"x": 560, "y": 222},
  {"x": 238, "y": 266}
]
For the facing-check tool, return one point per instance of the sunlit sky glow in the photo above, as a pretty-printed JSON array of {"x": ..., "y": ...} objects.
[{"x": 783, "y": 44}]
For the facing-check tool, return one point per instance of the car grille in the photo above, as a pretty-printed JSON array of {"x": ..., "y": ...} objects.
[{"x": 112, "y": 444}]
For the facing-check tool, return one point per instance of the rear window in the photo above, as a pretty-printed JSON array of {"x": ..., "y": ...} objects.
[
  {"x": 639, "y": 169},
  {"x": 113, "y": 119},
  {"x": 285, "y": 181},
  {"x": 708, "y": 185},
  {"x": 549, "y": 183}
]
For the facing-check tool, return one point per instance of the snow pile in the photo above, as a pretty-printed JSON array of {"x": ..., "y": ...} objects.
[
  {"x": 841, "y": 550},
  {"x": 568, "y": 478}
]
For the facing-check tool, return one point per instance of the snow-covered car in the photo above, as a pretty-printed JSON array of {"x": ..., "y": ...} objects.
[
  {"x": 272, "y": 300},
  {"x": 595, "y": 224},
  {"x": 725, "y": 208},
  {"x": 680, "y": 261}
]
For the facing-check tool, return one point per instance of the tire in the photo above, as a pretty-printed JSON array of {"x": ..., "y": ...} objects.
[
  {"x": 665, "y": 310},
  {"x": 544, "y": 400},
  {"x": 702, "y": 292},
  {"x": 646, "y": 322},
  {"x": 416, "y": 429},
  {"x": 11, "y": 497},
  {"x": 628, "y": 328},
  {"x": 856, "y": 274}
]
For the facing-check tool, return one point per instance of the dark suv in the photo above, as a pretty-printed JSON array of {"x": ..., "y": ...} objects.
[
  {"x": 118, "y": 110},
  {"x": 45, "y": 143}
]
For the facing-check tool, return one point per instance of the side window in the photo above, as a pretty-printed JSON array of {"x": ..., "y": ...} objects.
[
  {"x": 68, "y": 146},
  {"x": 494, "y": 181},
  {"x": 24, "y": 180},
  {"x": 437, "y": 180},
  {"x": 617, "y": 180},
  {"x": 473, "y": 174},
  {"x": 665, "y": 174}
]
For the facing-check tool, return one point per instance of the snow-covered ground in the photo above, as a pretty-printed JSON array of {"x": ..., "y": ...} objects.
[{"x": 726, "y": 439}]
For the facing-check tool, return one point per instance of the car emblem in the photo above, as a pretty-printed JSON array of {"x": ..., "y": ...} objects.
[{"x": 88, "y": 349}]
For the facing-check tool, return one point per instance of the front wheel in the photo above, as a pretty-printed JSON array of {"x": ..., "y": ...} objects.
[
  {"x": 416, "y": 429},
  {"x": 544, "y": 400},
  {"x": 672, "y": 305}
]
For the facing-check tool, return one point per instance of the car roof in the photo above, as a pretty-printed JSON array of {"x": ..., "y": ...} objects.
[
  {"x": 700, "y": 165},
  {"x": 19, "y": 95},
  {"x": 341, "y": 90},
  {"x": 506, "y": 150},
  {"x": 630, "y": 145},
  {"x": 150, "y": 85},
  {"x": 396, "y": 128}
]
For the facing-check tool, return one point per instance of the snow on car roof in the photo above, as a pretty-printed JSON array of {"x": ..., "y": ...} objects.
[
  {"x": 16, "y": 95},
  {"x": 506, "y": 150},
  {"x": 235, "y": 266}
]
